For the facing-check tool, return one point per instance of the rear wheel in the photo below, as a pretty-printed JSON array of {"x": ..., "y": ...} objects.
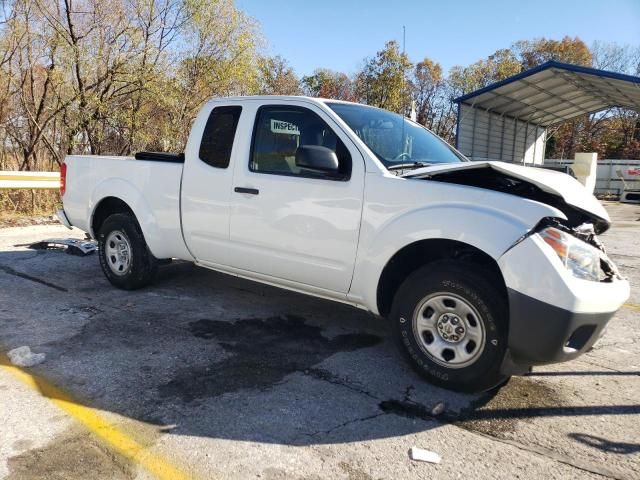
[
  {"x": 124, "y": 256},
  {"x": 451, "y": 321}
]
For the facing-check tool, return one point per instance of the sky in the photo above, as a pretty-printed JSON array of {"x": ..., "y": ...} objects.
[{"x": 339, "y": 34}]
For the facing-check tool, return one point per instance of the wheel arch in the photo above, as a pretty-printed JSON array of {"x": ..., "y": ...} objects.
[
  {"x": 106, "y": 207},
  {"x": 422, "y": 252}
]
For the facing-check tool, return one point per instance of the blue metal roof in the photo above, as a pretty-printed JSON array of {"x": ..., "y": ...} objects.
[{"x": 554, "y": 92}]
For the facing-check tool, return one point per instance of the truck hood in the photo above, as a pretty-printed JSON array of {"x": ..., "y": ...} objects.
[{"x": 553, "y": 188}]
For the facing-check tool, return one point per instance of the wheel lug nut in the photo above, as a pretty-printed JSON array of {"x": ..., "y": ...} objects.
[
  {"x": 445, "y": 319},
  {"x": 454, "y": 337},
  {"x": 454, "y": 321},
  {"x": 459, "y": 330},
  {"x": 445, "y": 336}
]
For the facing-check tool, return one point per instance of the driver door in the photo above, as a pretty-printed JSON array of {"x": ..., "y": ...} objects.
[{"x": 290, "y": 223}]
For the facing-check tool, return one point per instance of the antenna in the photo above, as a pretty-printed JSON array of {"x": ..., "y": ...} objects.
[
  {"x": 404, "y": 73},
  {"x": 403, "y": 91}
]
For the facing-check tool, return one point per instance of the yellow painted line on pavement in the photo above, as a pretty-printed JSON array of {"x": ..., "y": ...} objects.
[
  {"x": 110, "y": 434},
  {"x": 632, "y": 306}
]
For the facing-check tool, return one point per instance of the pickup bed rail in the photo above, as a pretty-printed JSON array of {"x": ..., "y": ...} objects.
[{"x": 160, "y": 157}]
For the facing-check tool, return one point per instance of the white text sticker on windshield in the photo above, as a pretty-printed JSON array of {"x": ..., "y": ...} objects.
[{"x": 278, "y": 126}]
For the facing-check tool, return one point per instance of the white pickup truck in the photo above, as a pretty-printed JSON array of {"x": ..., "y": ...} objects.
[{"x": 484, "y": 268}]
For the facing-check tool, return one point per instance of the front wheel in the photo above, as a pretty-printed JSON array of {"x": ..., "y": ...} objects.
[
  {"x": 124, "y": 256},
  {"x": 451, "y": 321}
]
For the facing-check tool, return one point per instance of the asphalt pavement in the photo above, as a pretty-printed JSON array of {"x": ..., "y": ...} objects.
[{"x": 203, "y": 375}]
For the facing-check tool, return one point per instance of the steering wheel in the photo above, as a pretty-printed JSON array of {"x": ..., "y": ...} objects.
[{"x": 402, "y": 156}]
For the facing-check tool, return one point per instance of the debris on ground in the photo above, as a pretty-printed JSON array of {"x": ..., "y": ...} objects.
[
  {"x": 438, "y": 409},
  {"x": 72, "y": 246},
  {"x": 24, "y": 357},
  {"x": 422, "y": 455}
]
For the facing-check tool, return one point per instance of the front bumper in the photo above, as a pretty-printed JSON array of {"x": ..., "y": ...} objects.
[
  {"x": 554, "y": 316},
  {"x": 541, "y": 333}
]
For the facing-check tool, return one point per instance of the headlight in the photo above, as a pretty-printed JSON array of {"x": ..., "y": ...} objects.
[{"x": 580, "y": 258}]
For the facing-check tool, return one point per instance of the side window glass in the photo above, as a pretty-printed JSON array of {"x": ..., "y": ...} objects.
[
  {"x": 278, "y": 133},
  {"x": 217, "y": 139}
]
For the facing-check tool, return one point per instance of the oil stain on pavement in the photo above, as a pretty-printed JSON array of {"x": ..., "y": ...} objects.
[
  {"x": 495, "y": 413},
  {"x": 512, "y": 403},
  {"x": 263, "y": 352}
]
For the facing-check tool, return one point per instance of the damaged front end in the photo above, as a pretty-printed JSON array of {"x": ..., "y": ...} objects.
[
  {"x": 552, "y": 188},
  {"x": 574, "y": 238},
  {"x": 579, "y": 250}
]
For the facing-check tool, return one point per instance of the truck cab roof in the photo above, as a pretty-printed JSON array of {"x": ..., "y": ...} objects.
[{"x": 242, "y": 98}]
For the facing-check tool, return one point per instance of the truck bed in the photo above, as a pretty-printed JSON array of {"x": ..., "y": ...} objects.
[{"x": 150, "y": 188}]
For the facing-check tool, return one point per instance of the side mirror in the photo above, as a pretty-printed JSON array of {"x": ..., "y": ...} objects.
[{"x": 317, "y": 158}]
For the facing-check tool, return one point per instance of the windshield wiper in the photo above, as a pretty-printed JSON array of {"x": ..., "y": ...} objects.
[{"x": 407, "y": 166}]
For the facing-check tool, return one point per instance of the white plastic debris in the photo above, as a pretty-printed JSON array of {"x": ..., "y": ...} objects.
[
  {"x": 422, "y": 455},
  {"x": 438, "y": 409},
  {"x": 73, "y": 246},
  {"x": 24, "y": 357}
]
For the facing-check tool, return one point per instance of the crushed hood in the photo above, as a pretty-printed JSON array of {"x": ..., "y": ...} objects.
[{"x": 554, "y": 188}]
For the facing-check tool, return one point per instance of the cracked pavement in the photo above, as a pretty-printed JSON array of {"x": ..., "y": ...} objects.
[{"x": 233, "y": 379}]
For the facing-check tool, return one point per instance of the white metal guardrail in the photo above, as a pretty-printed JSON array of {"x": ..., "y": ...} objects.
[{"x": 36, "y": 180}]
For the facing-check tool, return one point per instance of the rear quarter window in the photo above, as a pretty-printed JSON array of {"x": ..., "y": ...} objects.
[{"x": 218, "y": 135}]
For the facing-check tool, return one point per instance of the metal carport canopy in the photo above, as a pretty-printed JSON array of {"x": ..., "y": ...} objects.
[{"x": 554, "y": 92}]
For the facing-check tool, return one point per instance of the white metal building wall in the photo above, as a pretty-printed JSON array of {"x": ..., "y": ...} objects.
[{"x": 485, "y": 135}]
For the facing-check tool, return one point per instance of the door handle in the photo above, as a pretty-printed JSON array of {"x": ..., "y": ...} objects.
[{"x": 250, "y": 191}]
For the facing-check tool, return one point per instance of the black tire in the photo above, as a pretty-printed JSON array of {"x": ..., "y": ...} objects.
[
  {"x": 142, "y": 266},
  {"x": 467, "y": 282}
]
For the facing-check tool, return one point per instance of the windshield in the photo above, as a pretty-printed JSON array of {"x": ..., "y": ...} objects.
[{"x": 397, "y": 142}]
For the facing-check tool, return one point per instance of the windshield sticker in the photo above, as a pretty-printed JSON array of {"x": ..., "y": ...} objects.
[{"x": 278, "y": 126}]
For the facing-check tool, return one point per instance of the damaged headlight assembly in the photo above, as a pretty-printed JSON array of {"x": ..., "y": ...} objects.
[{"x": 583, "y": 260}]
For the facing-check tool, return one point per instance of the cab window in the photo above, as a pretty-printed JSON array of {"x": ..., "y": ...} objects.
[{"x": 280, "y": 130}]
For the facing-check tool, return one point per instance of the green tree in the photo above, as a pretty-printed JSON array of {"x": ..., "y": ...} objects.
[
  {"x": 326, "y": 83},
  {"x": 501, "y": 64},
  {"x": 568, "y": 50},
  {"x": 115, "y": 76},
  {"x": 382, "y": 81},
  {"x": 276, "y": 77},
  {"x": 428, "y": 83},
  {"x": 217, "y": 52}
]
